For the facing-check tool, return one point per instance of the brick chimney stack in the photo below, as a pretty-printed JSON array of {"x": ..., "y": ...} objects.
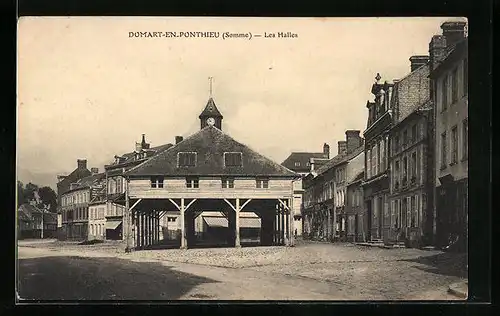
[
  {"x": 454, "y": 32},
  {"x": 94, "y": 170},
  {"x": 353, "y": 140},
  {"x": 178, "y": 139},
  {"x": 81, "y": 163},
  {"x": 144, "y": 145},
  {"x": 437, "y": 50},
  {"x": 326, "y": 150},
  {"x": 342, "y": 147},
  {"x": 418, "y": 61}
]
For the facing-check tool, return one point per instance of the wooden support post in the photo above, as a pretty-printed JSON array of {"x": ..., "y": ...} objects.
[
  {"x": 143, "y": 230},
  {"x": 283, "y": 225},
  {"x": 126, "y": 222},
  {"x": 276, "y": 225},
  {"x": 183, "y": 226},
  {"x": 292, "y": 223},
  {"x": 150, "y": 232},
  {"x": 237, "y": 221}
]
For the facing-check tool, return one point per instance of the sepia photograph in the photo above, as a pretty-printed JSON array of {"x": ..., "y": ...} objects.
[{"x": 241, "y": 158}]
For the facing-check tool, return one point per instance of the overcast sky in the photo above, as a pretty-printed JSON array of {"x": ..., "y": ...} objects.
[{"x": 87, "y": 90}]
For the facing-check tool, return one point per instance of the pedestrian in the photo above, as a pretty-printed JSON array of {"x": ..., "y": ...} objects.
[{"x": 295, "y": 234}]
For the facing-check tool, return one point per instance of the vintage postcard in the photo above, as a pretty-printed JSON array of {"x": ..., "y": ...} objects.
[{"x": 217, "y": 158}]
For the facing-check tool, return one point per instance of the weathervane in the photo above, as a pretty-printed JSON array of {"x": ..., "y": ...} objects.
[{"x": 210, "y": 79}]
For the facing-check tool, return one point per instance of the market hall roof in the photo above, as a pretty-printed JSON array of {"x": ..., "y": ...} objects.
[{"x": 210, "y": 146}]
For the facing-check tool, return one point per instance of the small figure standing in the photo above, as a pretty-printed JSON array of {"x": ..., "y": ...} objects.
[{"x": 295, "y": 233}]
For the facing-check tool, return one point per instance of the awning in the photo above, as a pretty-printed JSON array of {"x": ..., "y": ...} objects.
[
  {"x": 245, "y": 222},
  {"x": 216, "y": 221},
  {"x": 249, "y": 222},
  {"x": 112, "y": 224}
]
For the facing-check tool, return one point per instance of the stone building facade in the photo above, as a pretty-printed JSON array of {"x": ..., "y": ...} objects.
[
  {"x": 409, "y": 155},
  {"x": 450, "y": 82},
  {"x": 376, "y": 182}
]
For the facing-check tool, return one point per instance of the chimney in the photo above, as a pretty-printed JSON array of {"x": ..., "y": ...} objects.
[
  {"x": 82, "y": 163},
  {"x": 94, "y": 170},
  {"x": 178, "y": 139},
  {"x": 353, "y": 140},
  {"x": 311, "y": 162},
  {"x": 143, "y": 143},
  {"x": 418, "y": 61},
  {"x": 138, "y": 147},
  {"x": 326, "y": 151},
  {"x": 453, "y": 32},
  {"x": 437, "y": 50},
  {"x": 342, "y": 147}
]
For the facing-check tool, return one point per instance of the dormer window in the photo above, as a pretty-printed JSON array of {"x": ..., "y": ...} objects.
[
  {"x": 157, "y": 182},
  {"x": 227, "y": 183},
  {"x": 192, "y": 182},
  {"x": 297, "y": 164},
  {"x": 262, "y": 183},
  {"x": 186, "y": 159},
  {"x": 233, "y": 159}
]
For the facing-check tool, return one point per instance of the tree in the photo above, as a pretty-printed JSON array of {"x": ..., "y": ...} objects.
[
  {"x": 26, "y": 193},
  {"x": 29, "y": 192},
  {"x": 48, "y": 197},
  {"x": 21, "y": 195}
]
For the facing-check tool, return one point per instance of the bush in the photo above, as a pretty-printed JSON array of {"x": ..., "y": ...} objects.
[{"x": 91, "y": 242}]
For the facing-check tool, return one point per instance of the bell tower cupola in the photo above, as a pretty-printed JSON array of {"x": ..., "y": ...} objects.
[{"x": 211, "y": 116}]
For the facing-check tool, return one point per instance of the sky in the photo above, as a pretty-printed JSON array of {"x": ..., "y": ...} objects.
[{"x": 86, "y": 90}]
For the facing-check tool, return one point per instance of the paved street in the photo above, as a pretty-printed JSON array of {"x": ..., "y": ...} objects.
[{"x": 309, "y": 271}]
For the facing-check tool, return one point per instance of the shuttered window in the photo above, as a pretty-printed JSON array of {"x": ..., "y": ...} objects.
[
  {"x": 233, "y": 159},
  {"x": 187, "y": 159}
]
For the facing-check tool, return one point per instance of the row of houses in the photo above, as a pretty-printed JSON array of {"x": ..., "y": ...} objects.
[
  {"x": 405, "y": 179},
  {"x": 35, "y": 222},
  {"x": 206, "y": 188}
]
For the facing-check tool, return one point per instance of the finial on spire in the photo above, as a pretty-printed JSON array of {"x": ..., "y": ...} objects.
[
  {"x": 210, "y": 79},
  {"x": 378, "y": 77}
]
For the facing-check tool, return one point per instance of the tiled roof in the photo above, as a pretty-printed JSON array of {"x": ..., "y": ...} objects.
[
  {"x": 210, "y": 110},
  {"x": 337, "y": 160},
  {"x": 24, "y": 212},
  {"x": 358, "y": 177},
  {"x": 301, "y": 157},
  {"x": 458, "y": 48},
  {"x": 27, "y": 211},
  {"x": 90, "y": 180},
  {"x": 130, "y": 157},
  {"x": 210, "y": 144}
]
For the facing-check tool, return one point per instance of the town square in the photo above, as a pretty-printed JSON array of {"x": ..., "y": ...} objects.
[{"x": 330, "y": 179}]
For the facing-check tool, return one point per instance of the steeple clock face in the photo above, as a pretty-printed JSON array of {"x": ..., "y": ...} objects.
[{"x": 210, "y": 121}]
